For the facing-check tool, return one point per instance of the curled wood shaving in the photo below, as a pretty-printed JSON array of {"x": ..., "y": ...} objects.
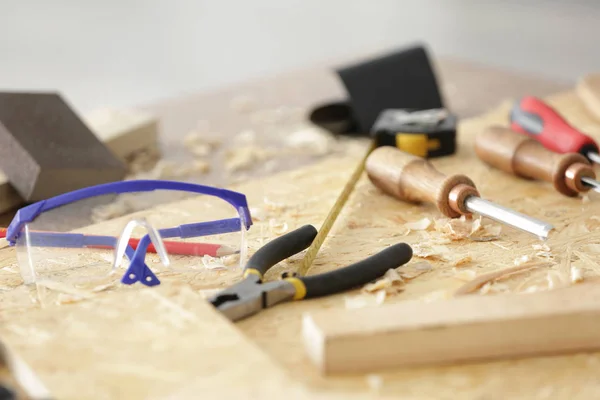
[
  {"x": 422, "y": 266},
  {"x": 481, "y": 280},
  {"x": 311, "y": 139},
  {"x": 273, "y": 206},
  {"x": 521, "y": 260},
  {"x": 277, "y": 227},
  {"x": 433, "y": 252},
  {"x": 576, "y": 275},
  {"x": 201, "y": 141},
  {"x": 390, "y": 283},
  {"x": 213, "y": 262},
  {"x": 375, "y": 382},
  {"x": 420, "y": 225},
  {"x": 246, "y": 157},
  {"x": 462, "y": 261},
  {"x": 585, "y": 199},
  {"x": 465, "y": 275},
  {"x": 243, "y": 104}
]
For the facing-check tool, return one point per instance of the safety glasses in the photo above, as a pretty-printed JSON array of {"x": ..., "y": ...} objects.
[{"x": 52, "y": 245}]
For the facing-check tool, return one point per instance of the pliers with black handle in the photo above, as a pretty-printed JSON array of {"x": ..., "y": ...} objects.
[{"x": 251, "y": 295}]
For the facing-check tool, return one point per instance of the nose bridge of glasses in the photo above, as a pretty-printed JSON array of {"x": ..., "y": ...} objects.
[{"x": 138, "y": 271}]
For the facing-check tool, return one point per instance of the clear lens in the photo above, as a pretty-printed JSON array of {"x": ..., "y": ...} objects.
[{"x": 59, "y": 246}]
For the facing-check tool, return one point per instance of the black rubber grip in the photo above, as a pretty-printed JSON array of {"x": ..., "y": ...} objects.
[
  {"x": 281, "y": 248},
  {"x": 357, "y": 274}
]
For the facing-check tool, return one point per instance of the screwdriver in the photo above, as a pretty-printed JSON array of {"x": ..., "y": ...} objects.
[
  {"x": 505, "y": 149},
  {"x": 414, "y": 179},
  {"x": 543, "y": 123}
]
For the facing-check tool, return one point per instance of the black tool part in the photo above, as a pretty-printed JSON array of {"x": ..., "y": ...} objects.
[
  {"x": 281, "y": 248},
  {"x": 6, "y": 393},
  {"x": 357, "y": 274},
  {"x": 402, "y": 79},
  {"x": 336, "y": 118},
  {"x": 443, "y": 135},
  {"x": 47, "y": 150}
]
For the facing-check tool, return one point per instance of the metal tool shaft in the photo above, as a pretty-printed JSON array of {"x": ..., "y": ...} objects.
[
  {"x": 507, "y": 216},
  {"x": 591, "y": 182}
]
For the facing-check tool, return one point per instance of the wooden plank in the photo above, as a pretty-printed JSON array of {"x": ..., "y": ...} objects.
[
  {"x": 463, "y": 329},
  {"x": 162, "y": 343},
  {"x": 125, "y": 132}
]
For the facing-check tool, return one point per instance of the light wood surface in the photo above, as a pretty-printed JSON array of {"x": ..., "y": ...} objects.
[
  {"x": 463, "y": 329},
  {"x": 515, "y": 153},
  {"x": 370, "y": 221}
]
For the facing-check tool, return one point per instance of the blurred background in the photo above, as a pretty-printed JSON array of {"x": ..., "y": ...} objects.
[{"x": 133, "y": 52}]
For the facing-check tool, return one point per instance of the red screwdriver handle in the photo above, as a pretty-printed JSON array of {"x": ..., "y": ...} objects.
[{"x": 541, "y": 122}]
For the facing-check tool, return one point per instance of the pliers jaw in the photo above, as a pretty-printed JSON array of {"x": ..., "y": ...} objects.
[{"x": 250, "y": 296}]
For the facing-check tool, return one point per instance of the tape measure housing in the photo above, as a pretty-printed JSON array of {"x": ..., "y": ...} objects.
[{"x": 428, "y": 134}]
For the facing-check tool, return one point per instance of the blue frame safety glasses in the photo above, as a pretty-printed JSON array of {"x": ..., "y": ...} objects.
[{"x": 42, "y": 230}]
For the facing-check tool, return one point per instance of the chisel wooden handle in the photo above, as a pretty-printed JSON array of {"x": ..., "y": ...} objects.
[
  {"x": 414, "y": 179},
  {"x": 517, "y": 154}
]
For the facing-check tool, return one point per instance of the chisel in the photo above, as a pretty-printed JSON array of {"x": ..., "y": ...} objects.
[
  {"x": 505, "y": 149},
  {"x": 414, "y": 179}
]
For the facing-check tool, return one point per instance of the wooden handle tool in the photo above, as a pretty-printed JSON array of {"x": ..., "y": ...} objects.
[
  {"x": 505, "y": 149},
  {"x": 414, "y": 179}
]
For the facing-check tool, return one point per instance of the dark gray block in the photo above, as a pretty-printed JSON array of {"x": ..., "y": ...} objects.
[{"x": 46, "y": 150}]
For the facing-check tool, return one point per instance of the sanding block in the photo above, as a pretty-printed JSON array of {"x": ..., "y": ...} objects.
[{"x": 46, "y": 149}]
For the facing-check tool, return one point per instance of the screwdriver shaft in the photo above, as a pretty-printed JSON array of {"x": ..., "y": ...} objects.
[
  {"x": 594, "y": 184},
  {"x": 593, "y": 157},
  {"x": 507, "y": 216}
]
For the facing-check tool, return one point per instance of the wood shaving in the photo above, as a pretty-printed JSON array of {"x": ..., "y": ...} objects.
[
  {"x": 455, "y": 229},
  {"x": 420, "y": 225},
  {"x": 273, "y": 205},
  {"x": 243, "y": 104},
  {"x": 433, "y": 252},
  {"x": 585, "y": 199},
  {"x": 408, "y": 275},
  {"x": 312, "y": 140},
  {"x": 246, "y": 157},
  {"x": 422, "y": 266},
  {"x": 278, "y": 228},
  {"x": 487, "y": 234},
  {"x": 375, "y": 382},
  {"x": 257, "y": 214},
  {"x": 462, "y": 261},
  {"x": 521, "y": 260},
  {"x": 553, "y": 280},
  {"x": 481, "y": 280},
  {"x": 380, "y": 297},
  {"x": 465, "y": 275},
  {"x": 201, "y": 150},
  {"x": 390, "y": 279},
  {"x": 245, "y": 138},
  {"x": 196, "y": 139},
  {"x": 213, "y": 262}
]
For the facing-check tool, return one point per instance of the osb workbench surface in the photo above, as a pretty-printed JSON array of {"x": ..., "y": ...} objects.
[{"x": 161, "y": 342}]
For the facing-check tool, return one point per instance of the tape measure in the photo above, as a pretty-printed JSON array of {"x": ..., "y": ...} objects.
[{"x": 424, "y": 133}]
